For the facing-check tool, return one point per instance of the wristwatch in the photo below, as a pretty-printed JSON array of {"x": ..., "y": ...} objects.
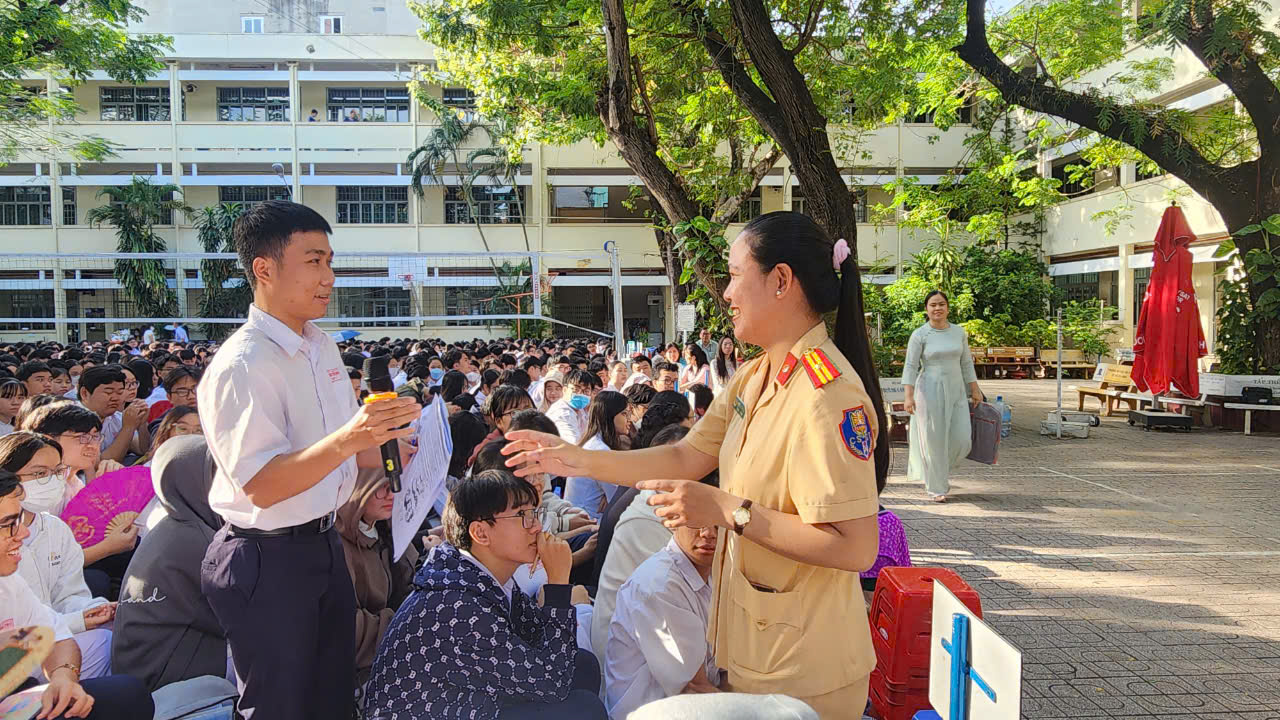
[{"x": 741, "y": 516}]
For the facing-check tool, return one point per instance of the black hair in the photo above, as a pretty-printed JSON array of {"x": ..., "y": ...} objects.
[
  {"x": 480, "y": 498},
  {"x": 664, "y": 366},
  {"x": 32, "y": 403},
  {"x": 179, "y": 373},
  {"x": 354, "y": 374},
  {"x": 27, "y": 369},
  {"x": 519, "y": 378},
  {"x": 145, "y": 374},
  {"x": 604, "y": 407},
  {"x": 641, "y": 358},
  {"x": 451, "y": 358},
  {"x": 265, "y": 229},
  {"x": 452, "y": 385},
  {"x": 464, "y": 401},
  {"x": 12, "y": 387},
  {"x": 640, "y": 394},
  {"x": 490, "y": 457},
  {"x": 699, "y": 355},
  {"x": 467, "y": 431},
  {"x": 797, "y": 241},
  {"x": 533, "y": 420},
  {"x": 658, "y": 416},
  {"x": 17, "y": 449},
  {"x": 702, "y": 396},
  {"x": 721, "y": 364},
  {"x": 929, "y": 297},
  {"x": 669, "y": 435},
  {"x": 532, "y": 361},
  {"x": 583, "y": 380},
  {"x": 57, "y": 418},
  {"x": 488, "y": 378},
  {"x": 351, "y": 359},
  {"x": 503, "y": 400},
  {"x": 97, "y": 376},
  {"x": 596, "y": 366}
]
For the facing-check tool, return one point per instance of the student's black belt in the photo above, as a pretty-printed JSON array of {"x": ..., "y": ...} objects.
[{"x": 319, "y": 526}]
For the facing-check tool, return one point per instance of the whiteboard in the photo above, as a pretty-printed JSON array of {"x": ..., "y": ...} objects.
[{"x": 998, "y": 662}]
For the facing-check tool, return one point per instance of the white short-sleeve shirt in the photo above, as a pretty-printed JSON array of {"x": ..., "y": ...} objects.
[
  {"x": 271, "y": 392},
  {"x": 19, "y": 608},
  {"x": 658, "y": 633}
]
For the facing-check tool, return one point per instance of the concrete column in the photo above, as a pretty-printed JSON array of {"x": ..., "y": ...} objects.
[
  {"x": 1125, "y": 288},
  {"x": 1128, "y": 173},
  {"x": 295, "y": 109}
]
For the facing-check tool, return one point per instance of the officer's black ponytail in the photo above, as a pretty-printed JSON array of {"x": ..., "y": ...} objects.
[{"x": 795, "y": 240}]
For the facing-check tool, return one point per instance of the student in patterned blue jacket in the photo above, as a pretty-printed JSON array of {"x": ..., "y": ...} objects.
[{"x": 466, "y": 643}]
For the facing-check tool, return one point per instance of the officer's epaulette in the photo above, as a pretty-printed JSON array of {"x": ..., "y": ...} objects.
[{"x": 817, "y": 366}]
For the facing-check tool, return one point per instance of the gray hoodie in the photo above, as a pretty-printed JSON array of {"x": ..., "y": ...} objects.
[{"x": 164, "y": 628}]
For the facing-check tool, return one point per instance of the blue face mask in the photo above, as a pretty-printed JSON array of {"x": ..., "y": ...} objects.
[
  {"x": 437, "y": 373},
  {"x": 579, "y": 402}
]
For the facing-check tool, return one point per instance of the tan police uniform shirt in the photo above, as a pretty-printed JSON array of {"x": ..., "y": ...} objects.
[{"x": 778, "y": 625}]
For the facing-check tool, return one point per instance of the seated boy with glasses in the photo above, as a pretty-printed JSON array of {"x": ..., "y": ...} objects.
[{"x": 466, "y": 643}]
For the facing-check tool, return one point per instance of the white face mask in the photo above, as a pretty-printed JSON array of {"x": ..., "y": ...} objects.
[
  {"x": 43, "y": 495},
  {"x": 473, "y": 377}
]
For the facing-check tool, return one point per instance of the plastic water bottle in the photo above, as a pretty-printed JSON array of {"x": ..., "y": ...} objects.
[{"x": 1006, "y": 416}]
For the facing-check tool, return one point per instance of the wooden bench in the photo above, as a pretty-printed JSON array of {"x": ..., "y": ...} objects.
[
  {"x": 1071, "y": 360},
  {"x": 1189, "y": 406},
  {"x": 1248, "y": 409},
  {"x": 1143, "y": 400},
  {"x": 1001, "y": 361},
  {"x": 1113, "y": 382}
]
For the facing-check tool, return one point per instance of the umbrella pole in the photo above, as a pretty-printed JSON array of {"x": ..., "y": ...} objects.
[{"x": 1059, "y": 373}]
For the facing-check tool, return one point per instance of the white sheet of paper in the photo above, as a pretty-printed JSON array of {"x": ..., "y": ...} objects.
[
  {"x": 422, "y": 482},
  {"x": 998, "y": 662}
]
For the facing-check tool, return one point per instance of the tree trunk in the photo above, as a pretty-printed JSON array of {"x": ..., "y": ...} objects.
[
  {"x": 640, "y": 151},
  {"x": 790, "y": 116}
]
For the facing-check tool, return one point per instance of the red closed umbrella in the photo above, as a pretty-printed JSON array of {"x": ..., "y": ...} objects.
[{"x": 1169, "y": 338}]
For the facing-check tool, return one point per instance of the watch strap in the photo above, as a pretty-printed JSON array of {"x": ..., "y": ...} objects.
[{"x": 737, "y": 526}]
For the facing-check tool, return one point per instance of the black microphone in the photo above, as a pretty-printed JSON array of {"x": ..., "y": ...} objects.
[{"x": 377, "y": 374}]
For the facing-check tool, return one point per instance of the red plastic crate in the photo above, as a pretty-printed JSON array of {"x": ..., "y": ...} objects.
[
  {"x": 893, "y": 705},
  {"x": 902, "y": 618}
]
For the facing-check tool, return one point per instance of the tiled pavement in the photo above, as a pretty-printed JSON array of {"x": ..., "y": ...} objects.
[{"x": 1138, "y": 572}]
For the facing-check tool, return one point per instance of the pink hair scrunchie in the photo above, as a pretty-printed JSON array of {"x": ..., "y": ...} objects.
[{"x": 840, "y": 253}]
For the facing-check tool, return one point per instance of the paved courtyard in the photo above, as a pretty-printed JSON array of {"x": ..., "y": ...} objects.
[{"x": 1139, "y": 572}]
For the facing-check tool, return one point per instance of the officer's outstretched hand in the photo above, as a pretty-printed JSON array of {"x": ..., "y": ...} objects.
[{"x": 531, "y": 452}]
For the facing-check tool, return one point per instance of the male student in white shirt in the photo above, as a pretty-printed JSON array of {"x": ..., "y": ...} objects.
[
  {"x": 286, "y": 432},
  {"x": 657, "y": 644}
]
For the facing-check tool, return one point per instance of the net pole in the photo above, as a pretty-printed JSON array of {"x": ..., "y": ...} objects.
[{"x": 615, "y": 284}]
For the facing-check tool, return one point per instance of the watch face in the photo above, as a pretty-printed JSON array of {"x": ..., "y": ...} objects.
[{"x": 741, "y": 516}]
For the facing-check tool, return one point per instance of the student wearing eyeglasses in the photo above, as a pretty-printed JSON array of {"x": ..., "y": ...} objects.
[
  {"x": 78, "y": 432},
  {"x": 495, "y": 653},
  {"x": 66, "y": 696},
  {"x": 53, "y": 563}
]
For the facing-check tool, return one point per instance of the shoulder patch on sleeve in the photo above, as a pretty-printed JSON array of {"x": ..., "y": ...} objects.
[
  {"x": 819, "y": 367},
  {"x": 855, "y": 431}
]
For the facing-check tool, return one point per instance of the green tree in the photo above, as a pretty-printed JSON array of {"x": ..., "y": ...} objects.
[
  {"x": 226, "y": 292},
  {"x": 69, "y": 40},
  {"x": 1009, "y": 283},
  {"x": 133, "y": 210},
  {"x": 1230, "y": 158}
]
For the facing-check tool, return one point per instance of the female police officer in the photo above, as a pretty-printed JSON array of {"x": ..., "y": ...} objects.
[{"x": 794, "y": 435}]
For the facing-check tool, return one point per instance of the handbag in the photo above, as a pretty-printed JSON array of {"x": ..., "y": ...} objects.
[{"x": 984, "y": 424}]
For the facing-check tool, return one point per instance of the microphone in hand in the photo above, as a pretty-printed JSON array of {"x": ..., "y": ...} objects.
[{"x": 377, "y": 373}]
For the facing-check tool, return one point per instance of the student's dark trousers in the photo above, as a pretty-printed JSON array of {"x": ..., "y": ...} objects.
[{"x": 288, "y": 608}]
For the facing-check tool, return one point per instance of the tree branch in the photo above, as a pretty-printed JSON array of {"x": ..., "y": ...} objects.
[
  {"x": 1168, "y": 148},
  {"x": 729, "y": 207},
  {"x": 810, "y": 24},
  {"x": 644, "y": 100},
  {"x": 1241, "y": 73}
]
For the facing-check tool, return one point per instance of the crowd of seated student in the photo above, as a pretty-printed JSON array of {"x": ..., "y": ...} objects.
[{"x": 524, "y": 597}]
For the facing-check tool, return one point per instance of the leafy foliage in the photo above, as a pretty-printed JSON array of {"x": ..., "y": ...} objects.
[
  {"x": 69, "y": 40},
  {"x": 133, "y": 210},
  {"x": 226, "y": 291},
  {"x": 1242, "y": 322},
  {"x": 514, "y": 296}
]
